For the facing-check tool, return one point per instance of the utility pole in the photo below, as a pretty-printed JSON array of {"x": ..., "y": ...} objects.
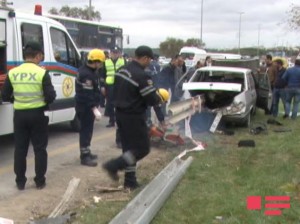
[
  {"x": 258, "y": 38},
  {"x": 240, "y": 22},
  {"x": 90, "y": 10},
  {"x": 201, "y": 23}
]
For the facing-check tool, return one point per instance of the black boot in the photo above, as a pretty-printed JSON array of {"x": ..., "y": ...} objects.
[
  {"x": 130, "y": 181},
  {"x": 86, "y": 158},
  {"x": 113, "y": 166},
  {"x": 93, "y": 156}
]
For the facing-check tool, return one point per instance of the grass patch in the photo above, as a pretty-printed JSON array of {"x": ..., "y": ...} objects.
[{"x": 215, "y": 188}]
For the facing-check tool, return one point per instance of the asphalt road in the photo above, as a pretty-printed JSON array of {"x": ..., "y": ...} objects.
[{"x": 63, "y": 148}]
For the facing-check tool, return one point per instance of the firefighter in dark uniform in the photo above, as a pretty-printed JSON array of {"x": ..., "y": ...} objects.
[
  {"x": 133, "y": 93},
  {"x": 112, "y": 64},
  {"x": 30, "y": 89},
  {"x": 87, "y": 100}
]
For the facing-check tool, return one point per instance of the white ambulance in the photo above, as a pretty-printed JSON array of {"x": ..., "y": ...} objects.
[{"x": 62, "y": 59}]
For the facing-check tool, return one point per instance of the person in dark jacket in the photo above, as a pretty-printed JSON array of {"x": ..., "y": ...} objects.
[
  {"x": 30, "y": 89},
  {"x": 292, "y": 77},
  {"x": 279, "y": 88},
  {"x": 133, "y": 93},
  {"x": 87, "y": 101}
]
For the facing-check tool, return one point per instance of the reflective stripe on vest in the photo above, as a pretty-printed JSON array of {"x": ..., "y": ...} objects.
[
  {"x": 26, "y": 81},
  {"x": 111, "y": 69}
]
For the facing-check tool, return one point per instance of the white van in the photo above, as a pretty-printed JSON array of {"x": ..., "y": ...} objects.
[
  {"x": 62, "y": 59},
  {"x": 191, "y": 55}
]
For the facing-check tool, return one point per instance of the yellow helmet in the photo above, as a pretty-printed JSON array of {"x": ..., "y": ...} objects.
[
  {"x": 164, "y": 94},
  {"x": 96, "y": 55}
]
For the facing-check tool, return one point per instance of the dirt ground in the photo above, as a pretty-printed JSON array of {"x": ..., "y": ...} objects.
[{"x": 32, "y": 204}]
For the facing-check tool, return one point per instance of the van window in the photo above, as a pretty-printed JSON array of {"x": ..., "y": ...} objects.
[
  {"x": 31, "y": 32},
  {"x": 63, "y": 49},
  {"x": 2, "y": 52}
]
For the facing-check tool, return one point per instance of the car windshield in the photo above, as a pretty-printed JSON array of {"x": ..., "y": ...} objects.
[{"x": 218, "y": 76}]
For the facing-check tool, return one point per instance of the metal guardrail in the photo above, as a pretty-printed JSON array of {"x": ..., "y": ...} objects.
[{"x": 143, "y": 208}]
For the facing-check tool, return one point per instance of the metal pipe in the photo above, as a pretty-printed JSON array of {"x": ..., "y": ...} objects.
[
  {"x": 143, "y": 208},
  {"x": 178, "y": 117},
  {"x": 184, "y": 105}
]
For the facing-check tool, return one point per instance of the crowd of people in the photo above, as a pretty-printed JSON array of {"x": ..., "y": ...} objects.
[{"x": 285, "y": 84}]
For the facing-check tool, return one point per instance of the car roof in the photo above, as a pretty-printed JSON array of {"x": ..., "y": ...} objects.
[{"x": 223, "y": 68}]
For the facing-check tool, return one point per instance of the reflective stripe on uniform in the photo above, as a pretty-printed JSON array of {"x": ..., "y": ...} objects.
[
  {"x": 41, "y": 99},
  {"x": 28, "y": 94},
  {"x": 26, "y": 83},
  {"x": 147, "y": 90},
  {"x": 130, "y": 169},
  {"x": 127, "y": 79}
]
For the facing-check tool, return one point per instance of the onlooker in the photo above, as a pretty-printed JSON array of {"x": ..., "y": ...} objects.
[
  {"x": 166, "y": 77},
  {"x": 192, "y": 70},
  {"x": 292, "y": 77},
  {"x": 271, "y": 70},
  {"x": 208, "y": 61},
  {"x": 153, "y": 69},
  {"x": 279, "y": 91}
]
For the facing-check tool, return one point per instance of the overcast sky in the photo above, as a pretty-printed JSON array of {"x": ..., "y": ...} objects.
[{"x": 152, "y": 21}]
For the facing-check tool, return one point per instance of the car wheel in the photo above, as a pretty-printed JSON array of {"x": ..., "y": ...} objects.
[{"x": 75, "y": 124}]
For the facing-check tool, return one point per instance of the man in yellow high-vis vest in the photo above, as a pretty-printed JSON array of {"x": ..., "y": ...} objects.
[
  {"x": 30, "y": 89},
  {"x": 111, "y": 66}
]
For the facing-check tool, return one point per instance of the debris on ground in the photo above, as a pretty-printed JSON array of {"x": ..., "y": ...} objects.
[
  {"x": 273, "y": 121},
  {"x": 258, "y": 128},
  {"x": 282, "y": 130},
  {"x": 61, "y": 207},
  {"x": 246, "y": 143},
  {"x": 62, "y": 219}
]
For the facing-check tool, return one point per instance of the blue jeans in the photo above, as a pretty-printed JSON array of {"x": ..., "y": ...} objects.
[
  {"x": 277, "y": 95},
  {"x": 292, "y": 94}
]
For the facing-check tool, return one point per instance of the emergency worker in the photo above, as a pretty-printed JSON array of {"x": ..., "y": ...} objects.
[
  {"x": 112, "y": 64},
  {"x": 133, "y": 93},
  {"x": 30, "y": 89},
  {"x": 87, "y": 101}
]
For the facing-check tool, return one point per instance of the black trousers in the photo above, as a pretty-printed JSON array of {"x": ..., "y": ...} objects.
[
  {"x": 134, "y": 134},
  {"x": 109, "y": 107},
  {"x": 30, "y": 125},
  {"x": 87, "y": 118}
]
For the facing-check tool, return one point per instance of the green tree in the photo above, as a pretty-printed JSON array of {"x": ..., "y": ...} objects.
[
  {"x": 171, "y": 46},
  {"x": 294, "y": 17},
  {"x": 194, "y": 42},
  {"x": 75, "y": 12}
]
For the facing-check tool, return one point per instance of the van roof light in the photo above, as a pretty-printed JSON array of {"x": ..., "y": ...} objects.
[{"x": 38, "y": 10}]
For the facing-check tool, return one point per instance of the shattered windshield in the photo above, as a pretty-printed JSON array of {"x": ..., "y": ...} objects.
[{"x": 218, "y": 76}]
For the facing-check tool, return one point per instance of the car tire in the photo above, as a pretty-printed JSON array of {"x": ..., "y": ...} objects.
[{"x": 75, "y": 124}]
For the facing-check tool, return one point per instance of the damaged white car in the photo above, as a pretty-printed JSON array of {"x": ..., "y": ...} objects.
[{"x": 232, "y": 92}]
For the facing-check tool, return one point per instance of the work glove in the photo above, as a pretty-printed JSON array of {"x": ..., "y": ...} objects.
[{"x": 97, "y": 113}]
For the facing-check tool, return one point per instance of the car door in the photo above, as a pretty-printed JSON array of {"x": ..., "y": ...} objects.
[{"x": 263, "y": 91}]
